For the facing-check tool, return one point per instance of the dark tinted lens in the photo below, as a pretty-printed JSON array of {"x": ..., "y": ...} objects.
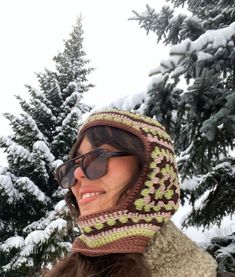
[
  {"x": 94, "y": 165},
  {"x": 66, "y": 175}
]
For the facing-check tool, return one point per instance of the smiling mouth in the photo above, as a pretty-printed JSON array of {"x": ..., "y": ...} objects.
[
  {"x": 90, "y": 194},
  {"x": 88, "y": 197}
]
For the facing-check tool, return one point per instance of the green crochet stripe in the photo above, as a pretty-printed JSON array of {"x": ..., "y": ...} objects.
[
  {"x": 116, "y": 235},
  {"x": 126, "y": 218}
]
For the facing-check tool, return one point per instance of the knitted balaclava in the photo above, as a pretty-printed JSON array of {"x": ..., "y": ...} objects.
[{"x": 153, "y": 199}]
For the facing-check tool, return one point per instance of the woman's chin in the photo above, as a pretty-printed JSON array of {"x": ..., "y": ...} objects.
[
  {"x": 86, "y": 212},
  {"x": 89, "y": 209}
]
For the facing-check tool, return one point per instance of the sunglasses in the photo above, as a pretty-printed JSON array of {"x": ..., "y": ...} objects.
[{"x": 93, "y": 165}]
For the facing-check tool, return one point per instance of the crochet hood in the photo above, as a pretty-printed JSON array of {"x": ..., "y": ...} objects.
[{"x": 153, "y": 199}]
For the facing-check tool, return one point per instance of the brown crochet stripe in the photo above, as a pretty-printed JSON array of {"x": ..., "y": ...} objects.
[{"x": 135, "y": 244}]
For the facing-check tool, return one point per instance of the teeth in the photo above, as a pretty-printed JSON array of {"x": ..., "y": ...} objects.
[{"x": 90, "y": 194}]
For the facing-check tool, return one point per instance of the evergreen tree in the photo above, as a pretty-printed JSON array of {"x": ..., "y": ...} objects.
[
  {"x": 223, "y": 250},
  {"x": 34, "y": 228},
  {"x": 193, "y": 95}
]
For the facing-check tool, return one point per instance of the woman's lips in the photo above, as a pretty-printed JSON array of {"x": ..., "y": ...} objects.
[{"x": 87, "y": 197}]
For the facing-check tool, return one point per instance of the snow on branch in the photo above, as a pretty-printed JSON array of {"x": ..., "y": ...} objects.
[
  {"x": 211, "y": 41},
  {"x": 42, "y": 148},
  {"x": 56, "y": 163},
  {"x": 35, "y": 237},
  {"x": 3, "y": 170},
  {"x": 59, "y": 210},
  {"x": 34, "y": 127},
  {"x": 47, "y": 111},
  {"x": 58, "y": 224},
  {"x": 73, "y": 98},
  {"x": 60, "y": 206},
  {"x": 72, "y": 86},
  {"x": 17, "y": 263},
  {"x": 5, "y": 141},
  {"x": 39, "y": 237},
  {"x": 126, "y": 103},
  {"x": 8, "y": 189},
  {"x": 19, "y": 151},
  {"x": 25, "y": 184},
  {"x": 67, "y": 122},
  {"x": 37, "y": 94},
  {"x": 12, "y": 242},
  {"x": 75, "y": 112},
  {"x": 191, "y": 183}
]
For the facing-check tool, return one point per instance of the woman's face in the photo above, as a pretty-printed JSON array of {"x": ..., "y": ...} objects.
[{"x": 103, "y": 193}]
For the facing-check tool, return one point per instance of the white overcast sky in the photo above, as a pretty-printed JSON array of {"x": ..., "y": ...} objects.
[{"x": 32, "y": 32}]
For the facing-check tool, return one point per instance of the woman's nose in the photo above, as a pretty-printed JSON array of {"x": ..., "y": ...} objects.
[{"x": 78, "y": 173}]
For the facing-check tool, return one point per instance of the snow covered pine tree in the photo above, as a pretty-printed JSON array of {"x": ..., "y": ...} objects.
[
  {"x": 33, "y": 225},
  {"x": 200, "y": 117}
]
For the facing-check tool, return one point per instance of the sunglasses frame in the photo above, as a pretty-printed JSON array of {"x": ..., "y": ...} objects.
[{"x": 108, "y": 154}]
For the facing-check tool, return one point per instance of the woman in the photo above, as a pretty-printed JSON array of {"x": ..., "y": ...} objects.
[{"x": 123, "y": 185}]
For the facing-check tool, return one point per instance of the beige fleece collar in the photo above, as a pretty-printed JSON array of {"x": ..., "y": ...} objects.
[{"x": 173, "y": 254}]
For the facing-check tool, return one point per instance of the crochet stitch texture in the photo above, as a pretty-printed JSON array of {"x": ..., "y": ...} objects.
[{"x": 153, "y": 199}]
